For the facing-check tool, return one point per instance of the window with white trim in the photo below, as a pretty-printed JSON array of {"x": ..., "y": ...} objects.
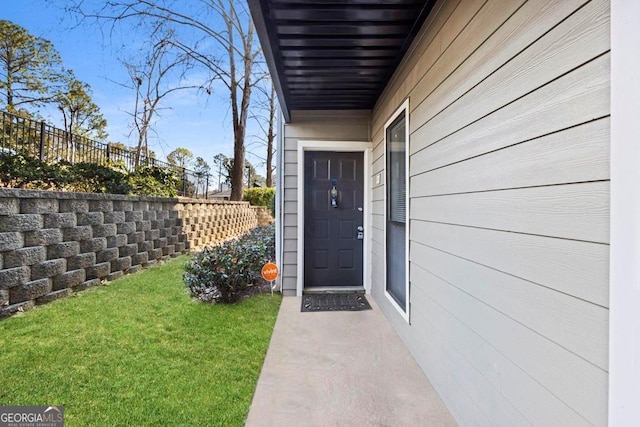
[{"x": 396, "y": 218}]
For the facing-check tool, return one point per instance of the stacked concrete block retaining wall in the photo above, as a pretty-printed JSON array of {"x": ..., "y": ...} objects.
[
  {"x": 207, "y": 222},
  {"x": 53, "y": 244}
]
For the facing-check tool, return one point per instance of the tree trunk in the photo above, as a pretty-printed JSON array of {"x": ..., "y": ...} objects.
[
  {"x": 237, "y": 173},
  {"x": 9, "y": 66},
  {"x": 269, "y": 178},
  {"x": 239, "y": 114},
  {"x": 271, "y": 136}
]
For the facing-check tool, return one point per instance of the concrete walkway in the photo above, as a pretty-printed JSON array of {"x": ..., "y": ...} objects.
[{"x": 341, "y": 369}]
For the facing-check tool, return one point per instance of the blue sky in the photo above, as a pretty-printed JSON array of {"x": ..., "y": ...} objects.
[{"x": 199, "y": 122}]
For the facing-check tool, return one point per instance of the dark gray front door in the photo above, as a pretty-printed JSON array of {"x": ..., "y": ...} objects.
[{"x": 333, "y": 232}]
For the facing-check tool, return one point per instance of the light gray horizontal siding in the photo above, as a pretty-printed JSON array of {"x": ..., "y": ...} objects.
[
  {"x": 571, "y": 322},
  {"x": 509, "y": 208},
  {"x": 314, "y": 126},
  {"x": 576, "y": 211},
  {"x": 573, "y": 267},
  {"x": 580, "y": 154},
  {"x": 466, "y": 350},
  {"x": 574, "y": 99}
]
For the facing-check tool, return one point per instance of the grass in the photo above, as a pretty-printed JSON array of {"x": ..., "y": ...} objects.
[{"x": 138, "y": 351}]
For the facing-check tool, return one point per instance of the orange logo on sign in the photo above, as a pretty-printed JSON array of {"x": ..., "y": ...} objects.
[{"x": 270, "y": 272}]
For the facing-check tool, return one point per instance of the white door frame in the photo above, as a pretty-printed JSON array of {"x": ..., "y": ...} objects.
[{"x": 336, "y": 146}]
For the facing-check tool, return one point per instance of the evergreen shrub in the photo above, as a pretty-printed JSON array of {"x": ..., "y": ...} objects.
[{"x": 226, "y": 272}]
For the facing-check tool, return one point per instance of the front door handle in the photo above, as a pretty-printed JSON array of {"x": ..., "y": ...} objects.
[{"x": 360, "y": 232}]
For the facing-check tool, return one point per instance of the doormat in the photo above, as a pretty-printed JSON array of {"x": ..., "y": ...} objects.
[{"x": 335, "y": 302}]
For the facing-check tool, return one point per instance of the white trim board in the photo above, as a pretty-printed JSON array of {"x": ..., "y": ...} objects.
[
  {"x": 404, "y": 107},
  {"x": 337, "y": 146},
  {"x": 624, "y": 264},
  {"x": 279, "y": 211}
]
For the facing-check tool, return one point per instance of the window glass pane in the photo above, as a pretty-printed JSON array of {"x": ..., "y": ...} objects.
[
  {"x": 396, "y": 227},
  {"x": 396, "y": 170},
  {"x": 396, "y": 263}
]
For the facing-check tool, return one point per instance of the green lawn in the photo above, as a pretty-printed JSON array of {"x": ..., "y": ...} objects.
[{"x": 138, "y": 351}]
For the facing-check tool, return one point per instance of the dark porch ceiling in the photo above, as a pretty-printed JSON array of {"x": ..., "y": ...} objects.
[{"x": 333, "y": 54}]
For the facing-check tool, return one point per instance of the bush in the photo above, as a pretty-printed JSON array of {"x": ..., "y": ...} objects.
[
  {"x": 93, "y": 178},
  {"x": 21, "y": 171},
  {"x": 154, "y": 181},
  {"x": 261, "y": 197},
  {"x": 225, "y": 272}
]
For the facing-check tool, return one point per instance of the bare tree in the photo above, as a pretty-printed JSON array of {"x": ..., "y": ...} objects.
[
  {"x": 271, "y": 135},
  {"x": 159, "y": 74},
  {"x": 265, "y": 116},
  {"x": 232, "y": 62}
]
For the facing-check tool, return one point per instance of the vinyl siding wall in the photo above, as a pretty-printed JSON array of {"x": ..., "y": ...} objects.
[
  {"x": 509, "y": 208},
  {"x": 310, "y": 126}
]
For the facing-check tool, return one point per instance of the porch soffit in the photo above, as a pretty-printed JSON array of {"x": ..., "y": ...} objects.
[{"x": 335, "y": 54}]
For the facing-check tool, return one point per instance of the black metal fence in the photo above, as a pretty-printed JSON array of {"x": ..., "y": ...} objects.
[{"x": 50, "y": 144}]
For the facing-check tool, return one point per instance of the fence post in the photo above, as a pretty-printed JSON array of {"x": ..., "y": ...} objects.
[
  {"x": 206, "y": 191},
  {"x": 108, "y": 152},
  {"x": 42, "y": 139}
]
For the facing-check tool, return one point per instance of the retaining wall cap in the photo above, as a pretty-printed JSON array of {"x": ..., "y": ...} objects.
[
  {"x": 47, "y": 194},
  {"x": 64, "y": 195},
  {"x": 187, "y": 200}
]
